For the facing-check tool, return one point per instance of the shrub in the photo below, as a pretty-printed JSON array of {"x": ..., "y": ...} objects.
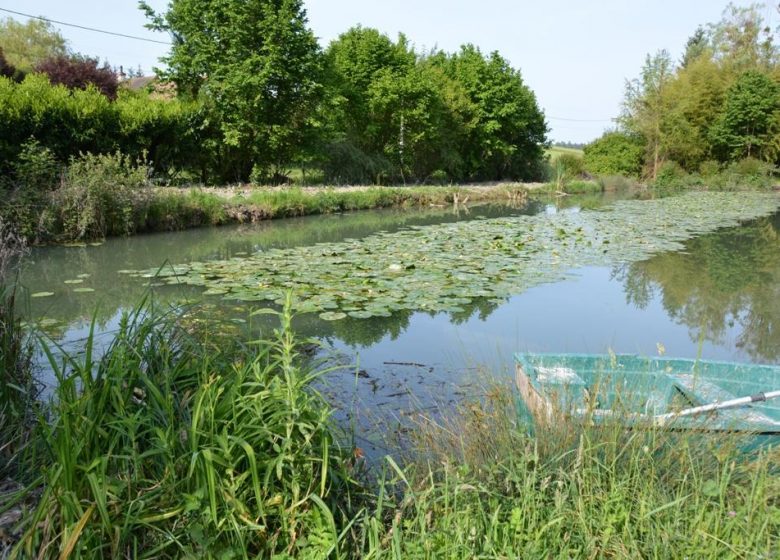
[
  {"x": 614, "y": 183},
  {"x": 79, "y": 72},
  {"x": 571, "y": 164},
  {"x": 101, "y": 195},
  {"x": 670, "y": 174},
  {"x": 34, "y": 174},
  {"x": 168, "y": 134},
  {"x": 746, "y": 173},
  {"x": 615, "y": 153},
  {"x": 709, "y": 168}
]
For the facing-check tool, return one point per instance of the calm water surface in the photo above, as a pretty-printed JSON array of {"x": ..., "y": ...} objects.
[{"x": 718, "y": 299}]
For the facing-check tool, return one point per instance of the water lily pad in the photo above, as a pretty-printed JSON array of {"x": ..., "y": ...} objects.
[
  {"x": 446, "y": 266},
  {"x": 83, "y": 290},
  {"x": 332, "y": 316},
  {"x": 85, "y": 275},
  {"x": 75, "y": 281},
  {"x": 41, "y": 294}
]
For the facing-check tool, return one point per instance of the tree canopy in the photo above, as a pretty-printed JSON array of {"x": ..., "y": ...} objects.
[
  {"x": 718, "y": 105},
  {"x": 27, "y": 44}
]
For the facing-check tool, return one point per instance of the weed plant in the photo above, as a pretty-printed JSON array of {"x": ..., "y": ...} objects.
[{"x": 168, "y": 446}]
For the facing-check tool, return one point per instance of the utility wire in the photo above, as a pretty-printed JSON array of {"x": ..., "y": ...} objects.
[
  {"x": 86, "y": 28},
  {"x": 580, "y": 120}
]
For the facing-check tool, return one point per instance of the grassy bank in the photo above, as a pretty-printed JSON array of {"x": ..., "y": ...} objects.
[
  {"x": 109, "y": 195},
  {"x": 181, "y": 443}
]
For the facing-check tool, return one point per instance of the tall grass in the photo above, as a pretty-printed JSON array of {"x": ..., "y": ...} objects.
[
  {"x": 18, "y": 388},
  {"x": 167, "y": 446},
  {"x": 480, "y": 487}
]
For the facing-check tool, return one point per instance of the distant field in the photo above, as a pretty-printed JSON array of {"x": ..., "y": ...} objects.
[{"x": 557, "y": 151}]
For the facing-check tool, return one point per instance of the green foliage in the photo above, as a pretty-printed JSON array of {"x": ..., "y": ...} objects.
[
  {"x": 748, "y": 173},
  {"x": 33, "y": 175},
  {"x": 255, "y": 65},
  {"x": 167, "y": 133},
  {"x": 615, "y": 153},
  {"x": 721, "y": 103},
  {"x": 101, "y": 195},
  {"x": 671, "y": 175},
  {"x": 477, "y": 486},
  {"x": 465, "y": 115},
  {"x": 27, "y": 44},
  {"x": 749, "y": 125},
  {"x": 175, "y": 444},
  {"x": 346, "y": 164},
  {"x": 645, "y": 107},
  {"x": 572, "y": 165},
  {"x": 507, "y": 130}
]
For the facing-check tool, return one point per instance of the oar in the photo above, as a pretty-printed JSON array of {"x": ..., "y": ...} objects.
[{"x": 732, "y": 403}]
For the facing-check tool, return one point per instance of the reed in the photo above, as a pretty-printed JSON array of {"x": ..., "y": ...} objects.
[{"x": 169, "y": 447}]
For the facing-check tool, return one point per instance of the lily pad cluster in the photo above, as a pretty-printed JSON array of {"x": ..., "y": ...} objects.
[{"x": 441, "y": 267}]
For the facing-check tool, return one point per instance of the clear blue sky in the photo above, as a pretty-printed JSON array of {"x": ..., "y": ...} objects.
[{"x": 575, "y": 54}]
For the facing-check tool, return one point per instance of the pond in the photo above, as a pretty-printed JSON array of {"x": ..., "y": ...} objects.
[{"x": 690, "y": 289}]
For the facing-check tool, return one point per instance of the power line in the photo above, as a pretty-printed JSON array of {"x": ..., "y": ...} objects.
[
  {"x": 580, "y": 120},
  {"x": 86, "y": 28}
]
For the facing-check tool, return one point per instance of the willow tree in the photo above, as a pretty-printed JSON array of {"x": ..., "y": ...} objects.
[{"x": 255, "y": 65}]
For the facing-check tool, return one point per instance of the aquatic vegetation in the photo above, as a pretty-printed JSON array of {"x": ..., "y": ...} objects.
[{"x": 442, "y": 267}]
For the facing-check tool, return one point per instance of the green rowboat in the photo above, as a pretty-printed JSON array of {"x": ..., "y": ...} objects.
[{"x": 671, "y": 393}]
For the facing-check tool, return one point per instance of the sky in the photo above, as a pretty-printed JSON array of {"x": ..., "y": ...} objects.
[{"x": 576, "y": 55}]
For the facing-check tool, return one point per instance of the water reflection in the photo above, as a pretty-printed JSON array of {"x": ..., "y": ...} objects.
[{"x": 724, "y": 283}]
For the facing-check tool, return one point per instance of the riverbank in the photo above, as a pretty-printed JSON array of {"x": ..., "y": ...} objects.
[
  {"x": 184, "y": 442},
  {"x": 115, "y": 204}
]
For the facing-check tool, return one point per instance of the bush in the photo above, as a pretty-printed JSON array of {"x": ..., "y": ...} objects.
[
  {"x": 34, "y": 174},
  {"x": 671, "y": 175},
  {"x": 709, "y": 168},
  {"x": 572, "y": 165},
  {"x": 615, "y": 153},
  {"x": 167, "y": 134},
  {"x": 746, "y": 173},
  {"x": 612, "y": 183},
  {"x": 101, "y": 195}
]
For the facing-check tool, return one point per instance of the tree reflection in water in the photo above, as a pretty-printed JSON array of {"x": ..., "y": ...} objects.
[{"x": 725, "y": 280}]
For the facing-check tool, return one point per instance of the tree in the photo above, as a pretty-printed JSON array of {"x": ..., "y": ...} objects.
[
  {"x": 358, "y": 137},
  {"x": 741, "y": 40},
  {"x": 692, "y": 100},
  {"x": 695, "y": 47},
  {"x": 644, "y": 106},
  {"x": 79, "y": 72},
  {"x": 509, "y": 131},
  {"x": 257, "y": 68},
  {"x": 750, "y": 121},
  {"x": 27, "y": 44}
]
